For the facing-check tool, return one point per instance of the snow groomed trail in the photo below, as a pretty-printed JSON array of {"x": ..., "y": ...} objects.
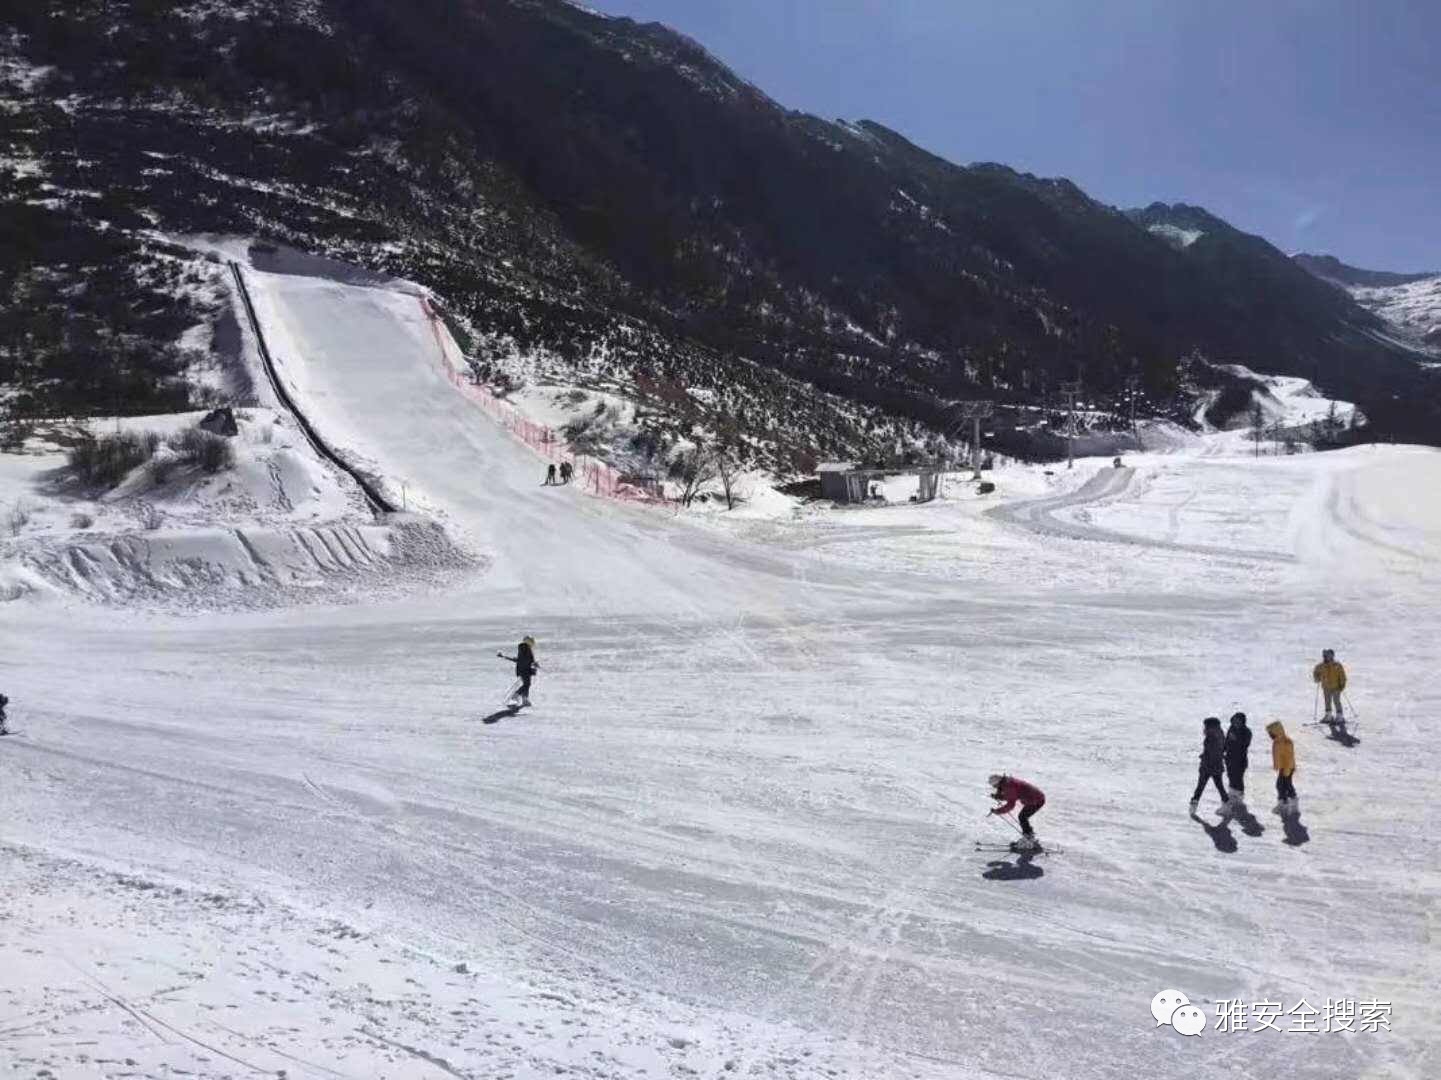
[
  {"x": 1106, "y": 485},
  {"x": 736, "y": 836}
]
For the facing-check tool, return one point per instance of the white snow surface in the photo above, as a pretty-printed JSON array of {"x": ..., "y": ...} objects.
[{"x": 736, "y": 835}]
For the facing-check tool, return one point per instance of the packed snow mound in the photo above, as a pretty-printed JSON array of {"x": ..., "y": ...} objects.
[{"x": 275, "y": 527}]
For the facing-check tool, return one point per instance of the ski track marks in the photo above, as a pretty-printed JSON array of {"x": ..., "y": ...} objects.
[
  {"x": 732, "y": 837},
  {"x": 1109, "y": 485}
]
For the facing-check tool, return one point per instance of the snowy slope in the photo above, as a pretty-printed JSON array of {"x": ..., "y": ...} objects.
[
  {"x": 1293, "y": 401},
  {"x": 280, "y": 527},
  {"x": 736, "y": 836},
  {"x": 1413, "y": 308}
]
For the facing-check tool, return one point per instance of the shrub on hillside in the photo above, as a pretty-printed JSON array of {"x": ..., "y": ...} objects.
[
  {"x": 1233, "y": 401},
  {"x": 106, "y": 460},
  {"x": 212, "y": 453},
  {"x": 159, "y": 468}
]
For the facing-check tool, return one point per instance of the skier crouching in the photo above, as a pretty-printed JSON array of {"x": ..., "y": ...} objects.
[
  {"x": 525, "y": 669},
  {"x": 1283, "y": 758},
  {"x": 1013, "y": 790}
]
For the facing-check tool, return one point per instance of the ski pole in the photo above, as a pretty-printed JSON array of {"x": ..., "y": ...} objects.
[
  {"x": 1316, "y": 703},
  {"x": 1007, "y": 820}
]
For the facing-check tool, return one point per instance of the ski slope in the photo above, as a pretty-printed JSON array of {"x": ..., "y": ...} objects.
[{"x": 736, "y": 837}]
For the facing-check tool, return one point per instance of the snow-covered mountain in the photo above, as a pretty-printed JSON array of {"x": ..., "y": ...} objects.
[
  {"x": 1413, "y": 308},
  {"x": 603, "y": 201},
  {"x": 1409, "y": 303}
]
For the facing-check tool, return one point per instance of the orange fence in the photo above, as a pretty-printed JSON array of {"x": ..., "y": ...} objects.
[{"x": 597, "y": 476}]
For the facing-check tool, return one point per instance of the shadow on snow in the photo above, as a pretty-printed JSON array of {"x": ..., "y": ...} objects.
[{"x": 1023, "y": 869}]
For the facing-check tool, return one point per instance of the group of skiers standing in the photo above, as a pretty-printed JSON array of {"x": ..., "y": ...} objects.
[
  {"x": 1230, "y": 752},
  {"x": 567, "y": 470}
]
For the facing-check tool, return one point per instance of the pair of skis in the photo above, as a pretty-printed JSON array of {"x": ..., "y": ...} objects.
[{"x": 1014, "y": 849}]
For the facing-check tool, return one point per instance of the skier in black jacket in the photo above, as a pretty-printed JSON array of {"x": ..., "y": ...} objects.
[
  {"x": 1212, "y": 761},
  {"x": 3, "y": 702},
  {"x": 525, "y": 669},
  {"x": 1237, "y": 752}
]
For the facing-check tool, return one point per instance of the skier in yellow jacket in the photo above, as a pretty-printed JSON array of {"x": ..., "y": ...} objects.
[
  {"x": 1330, "y": 676},
  {"x": 1283, "y": 759}
]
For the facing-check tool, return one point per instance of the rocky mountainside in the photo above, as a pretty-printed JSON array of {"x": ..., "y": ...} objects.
[
  {"x": 1409, "y": 303},
  {"x": 600, "y": 202},
  {"x": 1330, "y": 268}
]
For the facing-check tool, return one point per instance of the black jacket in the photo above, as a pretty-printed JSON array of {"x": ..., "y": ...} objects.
[
  {"x": 1238, "y": 744},
  {"x": 1211, "y": 750},
  {"x": 524, "y": 660}
]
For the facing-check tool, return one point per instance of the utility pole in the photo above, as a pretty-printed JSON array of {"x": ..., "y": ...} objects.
[{"x": 1070, "y": 390}]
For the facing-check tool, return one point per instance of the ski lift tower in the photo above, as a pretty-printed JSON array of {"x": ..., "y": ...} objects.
[
  {"x": 1133, "y": 391},
  {"x": 972, "y": 412}
]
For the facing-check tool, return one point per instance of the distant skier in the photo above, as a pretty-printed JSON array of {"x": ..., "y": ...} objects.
[
  {"x": 525, "y": 669},
  {"x": 1283, "y": 759},
  {"x": 1331, "y": 677},
  {"x": 1013, "y": 790},
  {"x": 1213, "y": 745},
  {"x": 1238, "y": 755},
  {"x": 567, "y": 470},
  {"x": 549, "y": 476},
  {"x": 3, "y": 702}
]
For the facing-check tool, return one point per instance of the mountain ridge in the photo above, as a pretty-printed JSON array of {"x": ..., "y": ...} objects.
[
  {"x": 606, "y": 196},
  {"x": 1330, "y": 268}
]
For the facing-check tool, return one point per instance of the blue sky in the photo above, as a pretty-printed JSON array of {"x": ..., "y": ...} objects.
[{"x": 1315, "y": 123}]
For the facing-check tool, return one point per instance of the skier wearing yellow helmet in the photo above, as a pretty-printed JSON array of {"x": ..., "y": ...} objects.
[{"x": 525, "y": 669}]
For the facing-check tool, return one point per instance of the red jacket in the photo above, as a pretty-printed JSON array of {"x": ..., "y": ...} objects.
[{"x": 1018, "y": 791}]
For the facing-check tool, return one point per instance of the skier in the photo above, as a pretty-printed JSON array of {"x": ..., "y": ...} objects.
[
  {"x": 566, "y": 472},
  {"x": 1014, "y": 790},
  {"x": 1331, "y": 677},
  {"x": 1212, "y": 761},
  {"x": 3, "y": 702},
  {"x": 549, "y": 476},
  {"x": 1283, "y": 759},
  {"x": 525, "y": 669},
  {"x": 1237, "y": 753}
]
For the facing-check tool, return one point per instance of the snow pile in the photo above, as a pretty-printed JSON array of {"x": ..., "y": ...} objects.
[{"x": 276, "y": 527}]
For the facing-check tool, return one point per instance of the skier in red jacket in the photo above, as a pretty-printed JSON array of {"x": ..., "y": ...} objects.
[{"x": 1013, "y": 790}]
